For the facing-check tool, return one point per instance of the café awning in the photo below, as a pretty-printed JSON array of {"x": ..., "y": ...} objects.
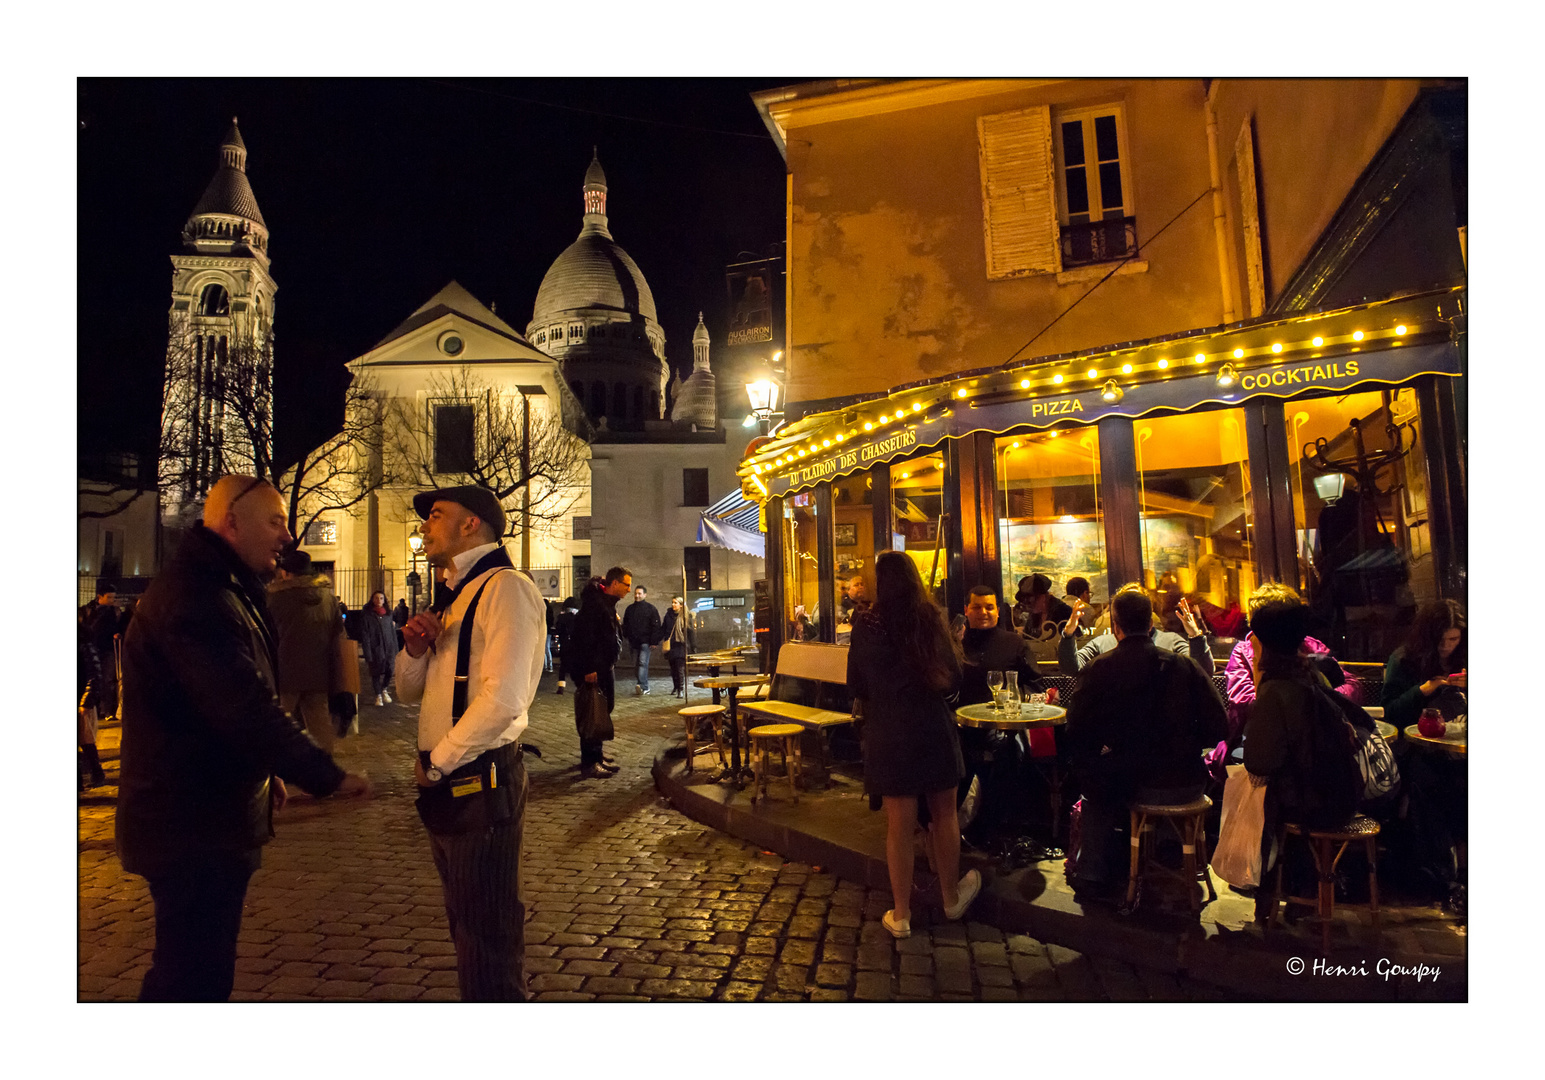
[
  {"x": 733, "y": 523},
  {"x": 1386, "y": 342}
]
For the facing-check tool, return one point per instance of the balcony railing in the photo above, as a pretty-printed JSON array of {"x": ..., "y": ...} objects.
[{"x": 1099, "y": 241}]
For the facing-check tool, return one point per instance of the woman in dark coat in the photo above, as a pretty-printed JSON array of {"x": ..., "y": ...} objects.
[
  {"x": 678, "y": 640},
  {"x": 903, "y": 664},
  {"x": 378, "y": 639}
]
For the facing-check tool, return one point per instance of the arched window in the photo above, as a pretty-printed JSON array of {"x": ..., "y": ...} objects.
[
  {"x": 214, "y": 301},
  {"x": 619, "y": 401},
  {"x": 598, "y": 399}
]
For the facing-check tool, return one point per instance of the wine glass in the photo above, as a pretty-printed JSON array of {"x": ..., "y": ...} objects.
[{"x": 995, "y": 684}]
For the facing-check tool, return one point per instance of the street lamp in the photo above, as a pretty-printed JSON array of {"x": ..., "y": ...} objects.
[
  {"x": 416, "y": 544},
  {"x": 763, "y": 393}
]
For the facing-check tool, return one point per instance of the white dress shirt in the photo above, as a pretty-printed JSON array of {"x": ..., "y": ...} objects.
[{"x": 508, "y": 635}]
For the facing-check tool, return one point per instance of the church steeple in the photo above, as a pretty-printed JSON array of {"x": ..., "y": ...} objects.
[
  {"x": 595, "y": 195},
  {"x": 700, "y": 346},
  {"x": 227, "y": 219}
]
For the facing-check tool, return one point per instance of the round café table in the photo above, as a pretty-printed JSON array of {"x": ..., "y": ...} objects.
[
  {"x": 1029, "y": 716},
  {"x": 1387, "y": 731},
  {"x": 732, "y": 684},
  {"x": 1453, "y": 744},
  {"x": 711, "y": 663}
]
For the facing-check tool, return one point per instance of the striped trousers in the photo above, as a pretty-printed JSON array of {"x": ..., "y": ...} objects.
[{"x": 480, "y": 873}]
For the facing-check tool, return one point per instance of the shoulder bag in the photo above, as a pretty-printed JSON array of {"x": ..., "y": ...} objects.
[{"x": 592, "y": 716}]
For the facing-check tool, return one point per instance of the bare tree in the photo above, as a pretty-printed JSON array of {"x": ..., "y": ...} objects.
[
  {"x": 218, "y": 417},
  {"x": 532, "y": 457}
]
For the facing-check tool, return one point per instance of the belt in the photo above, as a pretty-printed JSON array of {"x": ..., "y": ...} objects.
[{"x": 503, "y": 757}]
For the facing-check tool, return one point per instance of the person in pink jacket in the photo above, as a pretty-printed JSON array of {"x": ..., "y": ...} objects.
[{"x": 1239, "y": 672}]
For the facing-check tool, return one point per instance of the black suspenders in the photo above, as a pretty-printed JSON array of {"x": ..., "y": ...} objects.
[{"x": 464, "y": 654}]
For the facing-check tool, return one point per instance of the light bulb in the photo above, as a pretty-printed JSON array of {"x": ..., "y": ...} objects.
[
  {"x": 1239, "y": 354},
  {"x": 1163, "y": 364},
  {"x": 1056, "y": 378},
  {"x": 1318, "y": 341},
  {"x": 917, "y": 406},
  {"x": 868, "y": 426},
  {"x": 1024, "y": 384},
  {"x": 1357, "y": 335},
  {"x": 1400, "y": 330},
  {"x": 838, "y": 436},
  {"x": 1126, "y": 369},
  {"x": 1201, "y": 358},
  {"x": 1091, "y": 373},
  {"x": 1276, "y": 346},
  {"x": 961, "y": 392}
]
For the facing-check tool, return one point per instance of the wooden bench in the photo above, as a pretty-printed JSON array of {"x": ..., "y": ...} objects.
[{"x": 809, "y": 688}]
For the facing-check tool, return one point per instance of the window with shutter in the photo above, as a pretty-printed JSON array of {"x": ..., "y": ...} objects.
[{"x": 1019, "y": 209}]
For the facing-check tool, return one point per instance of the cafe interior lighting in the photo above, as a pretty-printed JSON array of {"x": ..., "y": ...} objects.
[
  {"x": 1227, "y": 375},
  {"x": 1329, "y": 486},
  {"x": 1110, "y": 392}
]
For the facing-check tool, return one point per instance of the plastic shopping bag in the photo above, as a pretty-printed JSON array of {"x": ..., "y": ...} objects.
[{"x": 1237, "y": 859}]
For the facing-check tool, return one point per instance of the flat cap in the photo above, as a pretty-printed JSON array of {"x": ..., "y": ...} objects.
[{"x": 482, "y": 502}]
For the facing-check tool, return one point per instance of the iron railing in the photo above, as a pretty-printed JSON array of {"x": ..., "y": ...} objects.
[{"x": 1099, "y": 241}]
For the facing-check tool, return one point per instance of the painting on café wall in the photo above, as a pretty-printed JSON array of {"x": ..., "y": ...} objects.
[
  {"x": 1058, "y": 549},
  {"x": 1167, "y": 544}
]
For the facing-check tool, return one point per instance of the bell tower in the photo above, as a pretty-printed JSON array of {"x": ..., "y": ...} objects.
[{"x": 217, "y": 413}]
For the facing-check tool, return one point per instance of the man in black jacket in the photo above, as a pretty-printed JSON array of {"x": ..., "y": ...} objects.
[
  {"x": 592, "y": 651},
  {"x": 1139, "y": 720},
  {"x": 205, "y": 742},
  {"x": 641, "y": 627}
]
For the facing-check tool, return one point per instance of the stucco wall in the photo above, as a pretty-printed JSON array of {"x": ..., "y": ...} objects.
[
  {"x": 1313, "y": 138},
  {"x": 888, "y": 276}
]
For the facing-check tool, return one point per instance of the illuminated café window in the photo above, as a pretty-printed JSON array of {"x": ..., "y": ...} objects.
[
  {"x": 1193, "y": 480},
  {"x": 801, "y": 581},
  {"x": 1052, "y": 521},
  {"x": 1365, "y": 558},
  {"x": 853, "y": 544},
  {"x": 322, "y": 532},
  {"x": 917, "y": 501}
]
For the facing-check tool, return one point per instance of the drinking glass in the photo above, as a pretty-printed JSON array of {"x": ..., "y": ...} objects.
[{"x": 995, "y": 684}]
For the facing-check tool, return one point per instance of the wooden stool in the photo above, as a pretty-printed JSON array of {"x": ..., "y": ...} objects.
[
  {"x": 1189, "y": 823},
  {"x": 784, "y": 736},
  {"x": 1320, "y": 840},
  {"x": 695, "y": 715}
]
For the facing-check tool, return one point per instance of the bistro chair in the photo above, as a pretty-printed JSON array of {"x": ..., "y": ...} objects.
[
  {"x": 1188, "y": 821},
  {"x": 1360, "y": 828},
  {"x": 695, "y": 715},
  {"x": 786, "y": 738}
]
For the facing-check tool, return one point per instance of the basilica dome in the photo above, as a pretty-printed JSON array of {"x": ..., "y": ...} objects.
[{"x": 593, "y": 272}]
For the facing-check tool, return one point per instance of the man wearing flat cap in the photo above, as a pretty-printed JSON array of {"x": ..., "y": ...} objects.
[{"x": 474, "y": 667}]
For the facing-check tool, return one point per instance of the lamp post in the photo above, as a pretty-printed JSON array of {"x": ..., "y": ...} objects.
[{"x": 416, "y": 544}]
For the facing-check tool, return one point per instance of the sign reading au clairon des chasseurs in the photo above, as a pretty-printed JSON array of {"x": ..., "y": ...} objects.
[{"x": 1180, "y": 392}]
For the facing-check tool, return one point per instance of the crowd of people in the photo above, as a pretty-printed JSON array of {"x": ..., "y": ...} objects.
[{"x": 1146, "y": 722}]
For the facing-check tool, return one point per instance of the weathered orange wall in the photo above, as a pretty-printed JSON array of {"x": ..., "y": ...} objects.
[
  {"x": 1313, "y": 138},
  {"x": 887, "y": 269}
]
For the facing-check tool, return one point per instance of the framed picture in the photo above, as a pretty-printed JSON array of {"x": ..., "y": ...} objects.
[{"x": 847, "y": 535}]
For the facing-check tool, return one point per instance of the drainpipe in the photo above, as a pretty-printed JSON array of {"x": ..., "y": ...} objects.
[{"x": 1219, "y": 218}]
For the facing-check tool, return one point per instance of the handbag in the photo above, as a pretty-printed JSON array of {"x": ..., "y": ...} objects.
[
  {"x": 1237, "y": 857},
  {"x": 345, "y": 665},
  {"x": 592, "y": 715}
]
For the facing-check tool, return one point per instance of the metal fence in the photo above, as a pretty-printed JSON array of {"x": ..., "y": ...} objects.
[{"x": 354, "y": 586}]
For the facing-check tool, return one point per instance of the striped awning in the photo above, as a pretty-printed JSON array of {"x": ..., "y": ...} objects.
[{"x": 733, "y": 523}]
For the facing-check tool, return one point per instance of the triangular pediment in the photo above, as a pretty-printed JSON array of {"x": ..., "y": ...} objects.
[{"x": 484, "y": 337}]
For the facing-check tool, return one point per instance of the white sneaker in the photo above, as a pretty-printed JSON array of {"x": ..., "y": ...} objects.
[
  {"x": 387, "y": 694},
  {"x": 380, "y": 699}
]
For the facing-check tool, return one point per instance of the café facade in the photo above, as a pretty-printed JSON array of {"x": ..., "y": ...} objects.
[{"x": 1319, "y": 450}]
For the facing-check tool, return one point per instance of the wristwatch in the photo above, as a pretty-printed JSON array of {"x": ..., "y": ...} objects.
[{"x": 431, "y": 773}]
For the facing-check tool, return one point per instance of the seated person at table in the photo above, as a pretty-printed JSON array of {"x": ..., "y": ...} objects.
[
  {"x": 1035, "y": 606},
  {"x": 1139, "y": 720},
  {"x": 1079, "y": 592},
  {"x": 1071, "y": 658},
  {"x": 1428, "y": 672},
  {"x": 855, "y": 598},
  {"x": 990, "y": 755},
  {"x": 1296, "y": 739},
  {"x": 1239, "y": 674}
]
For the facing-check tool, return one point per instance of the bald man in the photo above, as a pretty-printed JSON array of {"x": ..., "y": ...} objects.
[{"x": 205, "y": 742}]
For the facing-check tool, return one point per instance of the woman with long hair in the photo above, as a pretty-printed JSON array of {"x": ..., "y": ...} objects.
[
  {"x": 1428, "y": 672},
  {"x": 902, "y": 664},
  {"x": 378, "y": 639},
  {"x": 1429, "y": 668}
]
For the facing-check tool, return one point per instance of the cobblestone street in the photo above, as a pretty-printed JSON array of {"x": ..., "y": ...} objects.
[{"x": 627, "y": 899}]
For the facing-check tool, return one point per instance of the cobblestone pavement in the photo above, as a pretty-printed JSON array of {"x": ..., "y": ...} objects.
[{"x": 627, "y": 899}]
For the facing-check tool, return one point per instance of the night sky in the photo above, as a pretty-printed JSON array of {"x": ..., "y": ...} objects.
[{"x": 378, "y": 192}]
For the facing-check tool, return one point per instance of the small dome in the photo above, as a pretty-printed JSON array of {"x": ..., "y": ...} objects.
[
  {"x": 595, "y": 176},
  {"x": 700, "y": 335}
]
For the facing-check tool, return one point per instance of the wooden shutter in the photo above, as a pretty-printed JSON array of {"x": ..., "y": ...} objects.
[
  {"x": 1019, "y": 203},
  {"x": 1250, "y": 216}
]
